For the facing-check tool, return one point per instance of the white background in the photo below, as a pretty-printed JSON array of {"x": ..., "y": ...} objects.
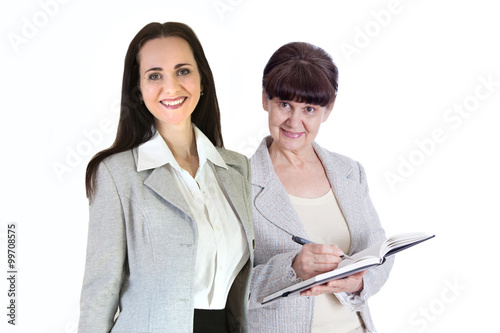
[{"x": 406, "y": 67}]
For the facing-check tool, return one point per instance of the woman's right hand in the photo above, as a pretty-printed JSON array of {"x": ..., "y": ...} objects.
[{"x": 316, "y": 259}]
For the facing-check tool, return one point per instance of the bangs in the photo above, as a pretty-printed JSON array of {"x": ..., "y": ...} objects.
[{"x": 300, "y": 82}]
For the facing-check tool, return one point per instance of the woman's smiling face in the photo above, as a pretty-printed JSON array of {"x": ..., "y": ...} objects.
[
  {"x": 170, "y": 82},
  {"x": 294, "y": 125}
]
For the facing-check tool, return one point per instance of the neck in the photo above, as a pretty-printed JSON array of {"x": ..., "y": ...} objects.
[
  {"x": 180, "y": 140},
  {"x": 294, "y": 158}
]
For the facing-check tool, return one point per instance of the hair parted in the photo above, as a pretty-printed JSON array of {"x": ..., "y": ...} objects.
[
  {"x": 301, "y": 72},
  {"x": 136, "y": 123}
]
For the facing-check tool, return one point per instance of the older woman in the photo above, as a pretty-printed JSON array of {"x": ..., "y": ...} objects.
[{"x": 301, "y": 189}]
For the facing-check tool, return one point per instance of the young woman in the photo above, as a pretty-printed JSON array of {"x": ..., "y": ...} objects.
[{"x": 170, "y": 233}]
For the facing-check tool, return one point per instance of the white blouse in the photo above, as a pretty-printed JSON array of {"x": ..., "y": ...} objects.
[{"x": 222, "y": 249}]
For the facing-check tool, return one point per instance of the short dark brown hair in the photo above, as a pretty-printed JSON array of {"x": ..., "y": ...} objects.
[{"x": 301, "y": 72}]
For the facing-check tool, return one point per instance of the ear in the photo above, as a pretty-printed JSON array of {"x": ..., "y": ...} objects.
[
  {"x": 328, "y": 111},
  {"x": 265, "y": 100}
]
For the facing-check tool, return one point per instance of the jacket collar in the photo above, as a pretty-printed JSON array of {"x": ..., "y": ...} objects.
[
  {"x": 232, "y": 182},
  {"x": 155, "y": 152},
  {"x": 334, "y": 166},
  {"x": 273, "y": 202}
]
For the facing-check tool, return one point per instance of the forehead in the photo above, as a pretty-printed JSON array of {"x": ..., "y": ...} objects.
[{"x": 166, "y": 53}]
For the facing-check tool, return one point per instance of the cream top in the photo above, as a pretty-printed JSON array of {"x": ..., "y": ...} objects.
[{"x": 325, "y": 224}]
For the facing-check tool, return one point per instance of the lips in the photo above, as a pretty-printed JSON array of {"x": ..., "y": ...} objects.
[
  {"x": 173, "y": 103},
  {"x": 291, "y": 135}
]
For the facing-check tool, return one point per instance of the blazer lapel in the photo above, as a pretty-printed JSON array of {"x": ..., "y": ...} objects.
[
  {"x": 163, "y": 184},
  {"x": 273, "y": 201},
  {"x": 232, "y": 184},
  {"x": 275, "y": 205},
  {"x": 349, "y": 193}
]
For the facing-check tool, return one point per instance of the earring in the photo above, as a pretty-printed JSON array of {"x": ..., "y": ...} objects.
[{"x": 201, "y": 93}]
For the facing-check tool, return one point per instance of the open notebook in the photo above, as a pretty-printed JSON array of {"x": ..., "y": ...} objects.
[{"x": 370, "y": 257}]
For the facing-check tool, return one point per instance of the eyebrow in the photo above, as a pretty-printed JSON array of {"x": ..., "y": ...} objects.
[
  {"x": 175, "y": 67},
  {"x": 154, "y": 69}
]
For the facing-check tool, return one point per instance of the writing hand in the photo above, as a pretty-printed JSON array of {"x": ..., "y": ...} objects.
[{"x": 314, "y": 259}]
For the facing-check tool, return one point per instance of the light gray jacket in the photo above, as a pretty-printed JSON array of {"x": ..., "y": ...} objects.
[
  {"x": 274, "y": 251},
  {"x": 142, "y": 248}
]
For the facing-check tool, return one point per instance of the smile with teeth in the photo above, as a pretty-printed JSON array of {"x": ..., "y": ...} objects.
[{"x": 173, "y": 102}]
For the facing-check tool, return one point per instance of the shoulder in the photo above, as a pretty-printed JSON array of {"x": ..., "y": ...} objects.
[
  {"x": 230, "y": 156},
  {"x": 261, "y": 153},
  {"x": 340, "y": 164},
  {"x": 235, "y": 160},
  {"x": 260, "y": 161},
  {"x": 120, "y": 167},
  {"x": 335, "y": 157},
  {"x": 121, "y": 161}
]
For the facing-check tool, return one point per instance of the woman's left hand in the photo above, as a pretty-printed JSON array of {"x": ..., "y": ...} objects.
[{"x": 351, "y": 284}]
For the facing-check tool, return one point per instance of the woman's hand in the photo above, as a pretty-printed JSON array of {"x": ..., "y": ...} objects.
[
  {"x": 351, "y": 284},
  {"x": 316, "y": 259}
]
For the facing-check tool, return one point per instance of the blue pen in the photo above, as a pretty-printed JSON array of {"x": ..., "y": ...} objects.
[
  {"x": 303, "y": 241},
  {"x": 300, "y": 240}
]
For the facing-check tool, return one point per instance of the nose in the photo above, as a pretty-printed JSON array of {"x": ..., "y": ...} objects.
[
  {"x": 294, "y": 119},
  {"x": 170, "y": 84}
]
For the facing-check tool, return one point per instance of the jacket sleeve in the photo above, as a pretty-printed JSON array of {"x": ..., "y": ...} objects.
[
  {"x": 274, "y": 275},
  {"x": 373, "y": 232},
  {"x": 106, "y": 257}
]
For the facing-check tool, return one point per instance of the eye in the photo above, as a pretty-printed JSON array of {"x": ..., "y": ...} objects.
[
  {"x": 155, "y": 76},
  {"x": 285, "y": 105},
  {"x": 309, "y": 109},
  {"x": 183, "y": 71}
]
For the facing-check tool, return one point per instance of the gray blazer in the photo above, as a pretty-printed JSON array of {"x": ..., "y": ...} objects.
[
  {"x": 274, "y": 216},
  {"x": 142, "y": 248}
]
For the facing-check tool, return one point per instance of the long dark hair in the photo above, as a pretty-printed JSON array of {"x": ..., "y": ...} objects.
[
  {"x": 301, "y": 72},
  {"x": 136, "y": 124}
]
